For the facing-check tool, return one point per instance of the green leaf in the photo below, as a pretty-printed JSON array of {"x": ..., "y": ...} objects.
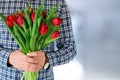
[
  {"x": 27, "y": 40},
  {"x": 41, "y": 42},
  {"x": 24, "y": 25},
  {"x": 51, "y": 14},
  {"x": 47, "y": 42},
  {"x": 39, "y": 21},
  {"x": 29, "y": 22},
  {"x": 57, "y": 6},
  {"x": 32, "y": 42},
  {"x": 51, "y": 40},
  {"x": 38, "y": 41},
  {"x": 21, "y": 31},
  {"x": 24, "y": 36},
  {"x": 20, "y": 38},
  {"x": 37, "y": 14}
]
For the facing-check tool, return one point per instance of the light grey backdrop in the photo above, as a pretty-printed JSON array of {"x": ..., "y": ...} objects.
[{"x": 96, "y": 25}]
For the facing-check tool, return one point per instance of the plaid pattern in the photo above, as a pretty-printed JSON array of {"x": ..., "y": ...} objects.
[{"x": 65, "y": 47}]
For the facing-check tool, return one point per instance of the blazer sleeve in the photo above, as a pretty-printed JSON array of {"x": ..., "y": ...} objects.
[
  {"x": 66, "y": 49},
  {"x": 4, "y": 55}
]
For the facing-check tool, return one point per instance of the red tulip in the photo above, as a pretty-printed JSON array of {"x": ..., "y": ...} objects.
[
  {"x": 43, "y": 29},
  {"x": 24, "y": 15},
  {"x": 10, "y": 19},
  {"x": 32, "y": 16},
  {"x": 43, "y": 13},
  {"x": 9, "y": 23},
  {"x": 55, "y": 35},
  {"x": 56, "y": 21},
  {"x": 19, "y": 20}
]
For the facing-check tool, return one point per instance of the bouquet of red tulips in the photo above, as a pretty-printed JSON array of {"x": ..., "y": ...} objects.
[{"x": 33, "y": 30}]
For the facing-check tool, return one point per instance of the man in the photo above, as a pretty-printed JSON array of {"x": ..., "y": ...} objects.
[{"x": 13, "y": 61}]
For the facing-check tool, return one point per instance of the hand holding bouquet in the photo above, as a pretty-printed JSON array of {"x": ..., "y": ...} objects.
[{"x": 33, "y": 30}]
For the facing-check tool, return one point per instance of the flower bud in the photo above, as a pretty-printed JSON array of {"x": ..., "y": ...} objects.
[
  {"x": 56, "y": 21},
  {"x": 9, "y": 23},
  {"x": 32, "y": 16},
  {"x": 24, "y": 15},
  {"x": 55, "y": 35},
  {"x": 43, "y": 13},
  {"x": 43, "y": 29},
  {"x": 19, "y": 20},
  {"x": 10, "y": 19}
]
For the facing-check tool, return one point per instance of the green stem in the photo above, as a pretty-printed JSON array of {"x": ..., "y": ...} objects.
[{"x": 29, "y": 76}]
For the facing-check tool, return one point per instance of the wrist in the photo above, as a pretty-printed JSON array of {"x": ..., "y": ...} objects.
[
  {"x": 8, "y": 61},
  {"x": 47, "y": 64}
]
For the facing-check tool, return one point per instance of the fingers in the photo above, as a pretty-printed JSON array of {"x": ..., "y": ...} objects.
[
  {"x": 30, "y": 59},
  {"x": 36, "y": 53},
  {"x": 35, "y": 57},
  {"x": 28, "y": 64},
  {"x": 32, "y": 67},
  {"x": 32, "y": 62}
]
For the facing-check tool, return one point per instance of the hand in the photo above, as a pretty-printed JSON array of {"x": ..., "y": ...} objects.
[{"x": 33, "y": 61}]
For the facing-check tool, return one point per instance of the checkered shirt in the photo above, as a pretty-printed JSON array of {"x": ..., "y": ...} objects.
[{"x": 59, "y": 52}]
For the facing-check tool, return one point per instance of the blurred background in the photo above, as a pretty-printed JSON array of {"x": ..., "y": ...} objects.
[{"x": 96, "y": 25}]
